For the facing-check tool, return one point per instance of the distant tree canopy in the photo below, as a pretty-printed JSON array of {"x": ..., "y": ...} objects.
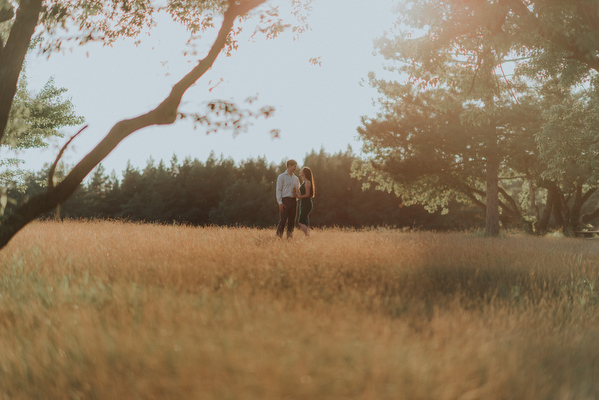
[
  {"x": 461, "y": 128},
  {"x": 220, "y": 192}
]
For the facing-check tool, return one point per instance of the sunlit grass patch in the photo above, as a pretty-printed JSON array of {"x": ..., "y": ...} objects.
[{"x": 96, "y": 310}]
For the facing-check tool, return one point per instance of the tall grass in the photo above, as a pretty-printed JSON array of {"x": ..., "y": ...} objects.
[{"x": 113, "y": 310}]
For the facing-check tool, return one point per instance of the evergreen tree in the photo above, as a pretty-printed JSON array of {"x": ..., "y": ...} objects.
[{"x": 249, "y": 201}]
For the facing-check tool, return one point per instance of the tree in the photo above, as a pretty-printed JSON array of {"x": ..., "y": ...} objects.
[
  {"x": 204, "y": 185},
  {"x": 107, "y": 20},
  {"x": 459, "y": 109},
  {"x": 558, "y": 41},
  {"x": 568, "y": 146},
  {"x": 34, "y": 118},
  {"x": 248, "y": 200},
  {"x": 454, "y": 95}
]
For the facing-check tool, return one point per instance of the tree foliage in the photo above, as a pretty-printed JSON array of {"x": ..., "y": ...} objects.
[
  {"x": 556, "y": 38},
  {"x": 37, "y": 117}
]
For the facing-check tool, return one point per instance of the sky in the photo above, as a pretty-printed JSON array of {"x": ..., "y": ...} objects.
[{"x": 316, "y": 107}]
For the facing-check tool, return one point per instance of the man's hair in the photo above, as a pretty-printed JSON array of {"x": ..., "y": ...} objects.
[{"x": 291, "y": 163}]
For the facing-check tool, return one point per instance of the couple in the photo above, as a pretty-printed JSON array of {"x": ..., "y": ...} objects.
[{"x": 288, "y": 191}]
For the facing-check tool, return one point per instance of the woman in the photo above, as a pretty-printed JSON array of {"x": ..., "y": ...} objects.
[{"x": 305, "y": 195}]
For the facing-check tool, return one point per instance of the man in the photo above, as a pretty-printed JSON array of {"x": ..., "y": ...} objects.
[{"x": 287, "y": 185}]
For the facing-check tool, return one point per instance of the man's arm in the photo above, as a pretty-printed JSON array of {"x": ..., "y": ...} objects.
[{"x": 280, "y": 190}]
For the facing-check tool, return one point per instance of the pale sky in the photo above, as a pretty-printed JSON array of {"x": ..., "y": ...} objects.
[{"x": 316, "y": 106}]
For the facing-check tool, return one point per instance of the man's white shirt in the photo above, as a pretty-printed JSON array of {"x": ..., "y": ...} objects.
[{"x": 285, "y": 185}]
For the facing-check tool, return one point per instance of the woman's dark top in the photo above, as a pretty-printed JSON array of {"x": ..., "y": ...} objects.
[{"x": 305, "y": 206}]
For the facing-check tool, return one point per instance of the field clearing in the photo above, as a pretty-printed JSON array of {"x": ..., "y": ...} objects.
[{"x": 114, "y": 310}]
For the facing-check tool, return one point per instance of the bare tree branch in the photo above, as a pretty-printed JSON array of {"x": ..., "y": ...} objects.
[
  {"x": 588, "y": 195},
  {"x": 514, "y": 210},
  {"x": 470, "y": 192},
  {"x": 476, "y": 201},
  {"x": 591, "y": 216},
  {"x": 59, "y": 156}
]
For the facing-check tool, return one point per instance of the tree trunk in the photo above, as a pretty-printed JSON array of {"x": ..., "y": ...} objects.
[
  {"x": 575, "y": 217},
  {"x": 542, "y": 224},
  {"x": 492, "y": 221},
  {"x": 533, "y": 209},
  {"x": 558, "y": 210},
  {"x": 12, "y": 56}
]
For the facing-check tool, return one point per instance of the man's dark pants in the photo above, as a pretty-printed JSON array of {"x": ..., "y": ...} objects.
[{"x": 287, "y": 216}]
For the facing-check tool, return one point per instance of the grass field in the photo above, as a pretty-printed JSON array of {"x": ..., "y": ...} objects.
[{"x": 113, "y": 310}]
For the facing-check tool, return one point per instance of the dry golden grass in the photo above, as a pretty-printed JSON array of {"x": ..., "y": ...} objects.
[{"x": 113, "y": 310}]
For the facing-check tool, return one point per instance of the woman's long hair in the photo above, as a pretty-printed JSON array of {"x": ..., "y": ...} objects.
[{"x": 309, "y": 177}]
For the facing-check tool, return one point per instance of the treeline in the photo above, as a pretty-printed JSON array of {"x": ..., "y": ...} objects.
[{"x": 221, "y": 192}]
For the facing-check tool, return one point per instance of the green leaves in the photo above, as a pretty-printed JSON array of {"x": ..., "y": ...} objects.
[
  {"x": 34, "y": 118},
  {"x": 561, "y": 37},
  {"x": 569, "y": 140}
]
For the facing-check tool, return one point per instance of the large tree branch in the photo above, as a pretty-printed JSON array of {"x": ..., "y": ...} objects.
[
  {"x": 542, "y": 223},
  {"x": 13, "y": 56},
  {"x": 165, "y": 113},
  {"x": 514, "y": 207},
  {"x": 51, "y": 182},
  {"x": 467, "y": 190},
  {"x": 588, "y": 195},
  {"x": 241, "y": 7},
  {"x": 591, "y": 216},
  {"x": 476, "y": 201},
  {"x": 470, "y": 192}
]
